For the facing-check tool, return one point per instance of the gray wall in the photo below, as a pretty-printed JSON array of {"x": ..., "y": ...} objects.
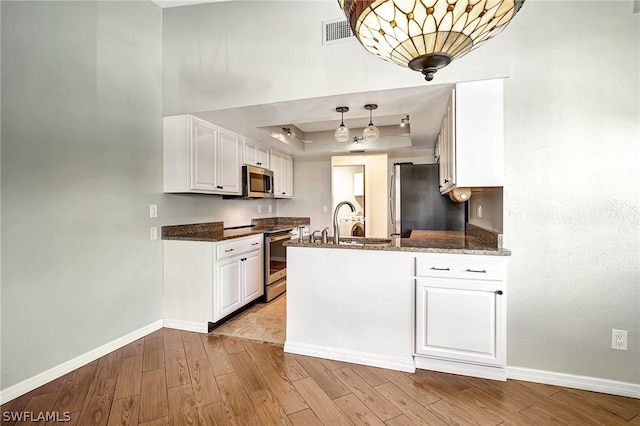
[
  {"x": 81, "y": 161},
  {"x": 571, "y": 127},
  {"x": 571, "y": 197}
]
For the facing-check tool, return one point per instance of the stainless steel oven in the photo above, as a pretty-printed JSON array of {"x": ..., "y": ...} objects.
[{"x": 275, "y": 261}]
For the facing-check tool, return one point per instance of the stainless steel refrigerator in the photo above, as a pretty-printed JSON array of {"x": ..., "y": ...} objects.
[{"x": 416, "y": 202}]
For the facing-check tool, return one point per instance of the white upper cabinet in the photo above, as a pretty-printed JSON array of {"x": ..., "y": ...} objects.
[
  {"x": 256, "y": 154},
  {"x": 471, "y": 140},
  {"x": 200, "y": 157},
  {"x": 282, "y": 166}
]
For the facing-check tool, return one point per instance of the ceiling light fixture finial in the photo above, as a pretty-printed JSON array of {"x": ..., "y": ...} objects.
[
  {"x": 371, "y": 132},
  {"x": 426, "y": 36},
  {"x": 342, "y": 133}
]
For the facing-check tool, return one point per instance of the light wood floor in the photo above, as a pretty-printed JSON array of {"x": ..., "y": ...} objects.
[
  {"x": 182, "y": 378},
  {"x": 264, "y": 322}
]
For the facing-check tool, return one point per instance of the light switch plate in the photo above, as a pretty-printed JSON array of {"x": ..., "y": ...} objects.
[{"x": 153, "y": 210}]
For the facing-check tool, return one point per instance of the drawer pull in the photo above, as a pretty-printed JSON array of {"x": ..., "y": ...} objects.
[
  {"x": 228, "y": 250},
  {"x": 483, "y": 271},
  {"x": 254, "y": 244},
  {"x": 433, "y": 268},
  {"x": 499, "y": 292}
]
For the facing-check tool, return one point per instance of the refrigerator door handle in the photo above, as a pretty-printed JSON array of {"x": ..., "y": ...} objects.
[{"x": 391, "y": 199}]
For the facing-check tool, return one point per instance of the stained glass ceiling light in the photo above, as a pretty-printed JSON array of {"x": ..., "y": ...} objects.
[{"x": 426, "y": 35}]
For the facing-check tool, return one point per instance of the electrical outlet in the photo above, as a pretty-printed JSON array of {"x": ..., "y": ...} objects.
[
  {"x": 324, "y": 209},
  {"x": 270, "y": 208},
  {"x": 153, "y": 235},
  {"x": 619, "y": 339},
  {"x": 259, "y": 208},
  {"x": 479, "y": 210},
  {"x": 153, "y": 210}
]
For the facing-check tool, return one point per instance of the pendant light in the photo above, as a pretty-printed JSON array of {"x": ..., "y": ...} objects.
[
  {"x": 371, "y": 132},
  {"x": 342, "y": 133},
  {"x": 426, "y": 35}
]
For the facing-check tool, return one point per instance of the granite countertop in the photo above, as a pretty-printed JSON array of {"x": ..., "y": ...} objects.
[
  {"x": 454, "y": 242},
  {"x": 215, "y": 231}
]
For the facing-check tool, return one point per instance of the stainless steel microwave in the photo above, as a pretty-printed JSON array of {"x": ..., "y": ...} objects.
[{"x": 257, "y": 182}]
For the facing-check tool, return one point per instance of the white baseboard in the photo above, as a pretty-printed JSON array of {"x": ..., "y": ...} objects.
[
  {"x": 38, "y": 380},
  {"x": 461, "y": 368},
  {"x": 373, "y": 360},
  {"x": 593, "y": 384},
  {"x": 197, "y": 327}
]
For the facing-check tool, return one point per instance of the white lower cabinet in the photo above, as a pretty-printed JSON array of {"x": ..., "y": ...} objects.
[
  {"x": 238, "y": 282},
  {"x": 460, "y": 315},
  {"x": 206, "y": 281}
]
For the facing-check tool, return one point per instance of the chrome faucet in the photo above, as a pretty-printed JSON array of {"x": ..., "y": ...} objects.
[{"x": 336, "y": 239}]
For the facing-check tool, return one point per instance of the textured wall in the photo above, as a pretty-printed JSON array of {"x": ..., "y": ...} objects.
[
  {"x": 81, "y": 161},
  {"x": 571, "y": 199}
]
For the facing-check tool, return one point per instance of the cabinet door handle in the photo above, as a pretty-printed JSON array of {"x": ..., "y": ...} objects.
[
  {"x": 483, "y": 271},
  {"x": 220, "y": 187},
  {"x": 228, "y": 250},
  {"x": 499, "y": 292},
  {"x": 433, "y": 268},
  {"x": 254, "y": 244}
]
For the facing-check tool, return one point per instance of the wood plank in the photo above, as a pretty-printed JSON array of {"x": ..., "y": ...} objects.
[
  {"x": 411, "y": 384},
  {"x": 213, "y": 414},
  {"x": 153, "y": 398},
  {"x": 129, "y": 377},
  {"x": 43, "y": 403},
  {"x": 153, "y": 360},
  {"x": 505, "y": 408},
  {"x": 409, "y": 406},
  {"x": 74, "y": 391},
  {"x": 627, "y": 408},
  {"x": 367, "y": 394},
  {"x": 164, "y": 421},
  {"x": 258, "y": 352},
  {"x": 124, "y": 412},
  {"x": 371, "y": 375},
  {"x": 267, "y": 408},
  {"x": 357, "y": 412},
  {"x": 321, "y": 404},
  {"x": 172, "y": 339},
  {"x": 463, "y": 413},
  {"x": 322, "y": 376},
  {"x": 98, "y": 403},
  {"x": 182, "y": 407},
  {"x": 235, "y": 399},
  {"x": 287, "y": 363},
  {"x": 247, "y": 372},
  {"x": 305, "y": 418},
  {"x": 134, "y": 348},
  {"x": 401, "y": 420},
  {"x": 542, "y": 417},
  {"x": 231, "y": 345},
  {"x": 203, "y": 381},
  {"x": 586, "y": 407},
  {"x": 176, "y": 367},
  {"x": 193, "y": 347},
  {"x": 218, "y": 357},
  {"x": 282, "y": 388}
]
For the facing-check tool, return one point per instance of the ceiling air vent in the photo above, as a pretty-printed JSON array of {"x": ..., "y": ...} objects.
[{"x": 335, "y": 31}]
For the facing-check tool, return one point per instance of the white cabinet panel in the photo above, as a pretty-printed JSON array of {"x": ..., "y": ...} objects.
[
  {"x": 256, "y": 154},
  {"x": 253, "y": 276},
  {"x": 200, "y": 157},
  {"x": 282, "y": 166},
  {"x": 459, "y": 324},
  {"x": 471, "y": 140},
  {"x": 228, "y": 297}
]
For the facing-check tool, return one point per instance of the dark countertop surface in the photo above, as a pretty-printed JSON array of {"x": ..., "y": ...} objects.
[
  {"x": 453, "y": 242},
  {"x": 215, "y": 231}
]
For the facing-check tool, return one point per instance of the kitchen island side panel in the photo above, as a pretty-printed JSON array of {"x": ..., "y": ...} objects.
[{"x": 351, "y": 305}]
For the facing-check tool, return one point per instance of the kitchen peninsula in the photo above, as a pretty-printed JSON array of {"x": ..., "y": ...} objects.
[{"x": 435, "y": 301}]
